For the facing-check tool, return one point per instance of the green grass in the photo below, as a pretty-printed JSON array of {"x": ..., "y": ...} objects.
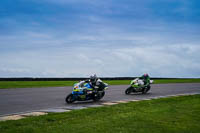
[
  {"x": 167, "y": 115},
  {"x": 28, "y": 84},
  {"x": 165, "y": 81}
]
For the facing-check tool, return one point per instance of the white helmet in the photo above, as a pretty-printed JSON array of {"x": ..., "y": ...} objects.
[{"x": 93, "y": 78}]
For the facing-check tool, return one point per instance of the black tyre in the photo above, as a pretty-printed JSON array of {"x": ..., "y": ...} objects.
[
  {"x": 102, "y": 94},
  {"x": 128, "y": 91},
  {"x": 69, "y": 98},
  {"x": 97, "y": 97},
  {"x": 146, "y": 89}
]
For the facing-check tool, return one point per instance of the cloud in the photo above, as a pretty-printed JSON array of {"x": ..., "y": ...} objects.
[
  {"x": 156, "y": 60},
  {"x": 111, "y": 38},
  {"x": 109, "y": 51}
]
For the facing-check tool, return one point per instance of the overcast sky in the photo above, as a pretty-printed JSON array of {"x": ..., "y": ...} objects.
[{"x": 76, "y": 38}]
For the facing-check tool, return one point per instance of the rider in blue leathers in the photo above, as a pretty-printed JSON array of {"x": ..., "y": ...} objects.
[{"x": 94, "y": 82}]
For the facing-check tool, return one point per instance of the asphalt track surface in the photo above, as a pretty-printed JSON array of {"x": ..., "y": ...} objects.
[{"x": 13, "y": 101}]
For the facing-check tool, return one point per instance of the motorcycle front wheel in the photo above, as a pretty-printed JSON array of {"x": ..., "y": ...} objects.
[
  {"x": 128, "y": 91},
  {"x": 69, "y": 99}
]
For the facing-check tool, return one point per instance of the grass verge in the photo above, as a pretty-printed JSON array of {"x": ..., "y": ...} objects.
[
  {"x": 28, "y": 84},
  {"x": 167, "y": 115},
  {"x": 165, "y": 81}
]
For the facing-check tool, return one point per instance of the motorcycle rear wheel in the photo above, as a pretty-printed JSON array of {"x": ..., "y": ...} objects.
[
  {"x": 98, "y": 97},
  {"x": 102, "y": 95},
  {"x": 69, "y": 99},
  {"x": 145, "y": 90}
]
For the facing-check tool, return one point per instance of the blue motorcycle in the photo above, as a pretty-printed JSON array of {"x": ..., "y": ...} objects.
[{"x": 83, "y": 91}]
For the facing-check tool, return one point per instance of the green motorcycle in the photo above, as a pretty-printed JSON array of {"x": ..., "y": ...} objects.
[{"x": 137, "y": 86}]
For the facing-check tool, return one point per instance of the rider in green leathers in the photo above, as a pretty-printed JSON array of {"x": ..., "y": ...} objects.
[{"x": 146, "y": 79}]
